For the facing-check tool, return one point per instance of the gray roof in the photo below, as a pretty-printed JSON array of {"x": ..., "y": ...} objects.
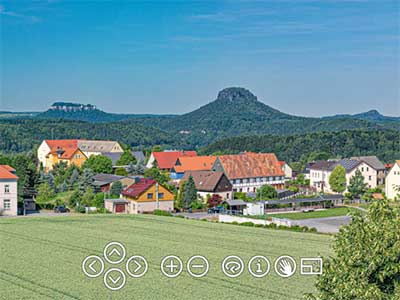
[
  {"x": 107, "y": 178},
  {"x": 97, "y": 146},
  {"x": 372, "y": 160},
  {"x": 323, "y": 165},
  {"x": 235, "y": 202},
  {"x": 305, "y": 200},
  {"x": 138, "y": 155},
  {"x": 114, "y": 156},
  {"x": 119, "y": 200},
  {"x": 348, "y": 164}
]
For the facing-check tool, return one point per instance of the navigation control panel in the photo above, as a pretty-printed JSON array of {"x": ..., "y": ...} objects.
[{"x": 197, "y": 266}]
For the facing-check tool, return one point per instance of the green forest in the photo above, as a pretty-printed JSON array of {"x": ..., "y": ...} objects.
[{"x": 383, "y": 143}]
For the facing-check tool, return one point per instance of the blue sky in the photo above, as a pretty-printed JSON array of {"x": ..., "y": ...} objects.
[{"x": 304, "y": 57}]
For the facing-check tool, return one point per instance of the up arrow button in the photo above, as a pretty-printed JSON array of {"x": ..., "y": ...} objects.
[{"x": 114, "y": 252}]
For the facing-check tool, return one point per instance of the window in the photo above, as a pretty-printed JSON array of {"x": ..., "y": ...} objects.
[
  {"x": 150, "y": 196},
  {"x": 160, "y": 195},
  {"x": 362, "y": 169},
  {"x": 6, "y": 188},
  {"x": 7, "y": 204},
  {"x": 369, "y": 177},
  {"x": 367, "y": 169},
  {"x": 237, "y": 181}
]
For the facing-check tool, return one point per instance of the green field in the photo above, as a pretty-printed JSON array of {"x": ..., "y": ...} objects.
[
  {"x": 41, "y": 257},
  {"x": 331, "y": 212}
]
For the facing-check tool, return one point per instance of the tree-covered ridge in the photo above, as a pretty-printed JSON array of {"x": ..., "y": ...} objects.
[
  {"x": 383, "y": 143},
  {"x": 17, "y": 135}
]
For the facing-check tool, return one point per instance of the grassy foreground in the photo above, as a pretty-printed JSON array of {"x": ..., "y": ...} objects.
[
  {"x": 331, "y": 212},
  {"x": 41, "y": 257}
]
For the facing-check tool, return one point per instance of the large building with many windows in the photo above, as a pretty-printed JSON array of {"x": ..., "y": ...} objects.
[
  {"x": 248, "y": 171},
  {"x": 8, "y": 191}
]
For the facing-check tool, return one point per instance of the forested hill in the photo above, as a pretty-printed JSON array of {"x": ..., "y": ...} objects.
[
  {"x": 383, "y": 143},
  {"x": 17, "y": 135}
]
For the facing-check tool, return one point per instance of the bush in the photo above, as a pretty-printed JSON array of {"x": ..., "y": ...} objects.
[
  {"x": 159, "y": 212},
  {"x": 250, "y": 224},
  {"x": 46, "y": 205},
  {"x": 80, "y": 209},
  {"x": 197, "y": 205}
]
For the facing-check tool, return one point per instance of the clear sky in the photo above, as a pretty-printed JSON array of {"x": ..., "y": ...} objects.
[{"x": 304, "y": 57}]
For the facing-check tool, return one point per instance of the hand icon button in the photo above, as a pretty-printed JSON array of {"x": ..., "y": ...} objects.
[{"x": 285, "y": 266}]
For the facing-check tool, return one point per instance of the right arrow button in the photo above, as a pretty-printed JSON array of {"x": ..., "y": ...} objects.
[{"x": 136, "y": 266}]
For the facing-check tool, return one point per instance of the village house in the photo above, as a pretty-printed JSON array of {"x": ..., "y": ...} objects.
[
  {"x": 248, "y": 171},
  {"x": 392, "y": 184},
  {"x": 320, "y": 172},
  {"x": 191, "y": 163},
  {"x": 96, "y": 147},
  {"x": 167, "y": 159},
  {"x": 8, "y": 191},
  {"x": 52, "y": 152},
  {"x": 376, "y": 165},
  {"x": 73, "y": 151},
  {"x": 286, "y": 169},
  {"x": 210, "y": 183},
  {"x": 103, "y": 182},
  {"x": 143, "y": 196}
]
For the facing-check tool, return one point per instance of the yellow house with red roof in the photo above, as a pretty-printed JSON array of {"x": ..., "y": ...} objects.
[
  {"x": 144, "y": 196},
  {"x": 51, "y": 152}
]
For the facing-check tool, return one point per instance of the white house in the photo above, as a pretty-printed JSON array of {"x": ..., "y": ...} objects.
[
  {"x": 249, "y": 171},
  {"x": 392, "y": 184},
  {"x": 8, "y": 191},
  {"x": 320, "y": 172}
]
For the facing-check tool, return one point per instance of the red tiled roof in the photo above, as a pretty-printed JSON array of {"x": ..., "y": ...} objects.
[
  {"x": 194, "y": 163},
  {"x": 5, "y": 172},
  {"x": 281, "y": 163},
  {"x": 138, "y": 188},
  {"x": 68, "y": 146},
  {"x": 166, "y": 160},
  {"x": 249, "y": 164}
]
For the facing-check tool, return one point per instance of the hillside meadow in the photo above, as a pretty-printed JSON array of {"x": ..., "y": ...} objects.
[{"x": 41, "y": 257}]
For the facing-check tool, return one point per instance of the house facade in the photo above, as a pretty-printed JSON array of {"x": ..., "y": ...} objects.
[
  {"x": 191, "y": 163},
  {"x": 8, "y": 191},
  {"x": 210, "y": 183},
  {"x": 377, "y": 166},
  {"x": 166, "y": 160},
  {"x": 249, "y": 171},
  {"x": 392, "y": 184},
  {"x": 147, "y": 195},
  {"x": 72, "y": 151},
  {"x": 286, "y": 169},
  {"x": 320, "y": 172}
]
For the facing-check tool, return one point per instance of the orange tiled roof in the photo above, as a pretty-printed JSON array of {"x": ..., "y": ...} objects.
[
  {"x": 166, "y": 160},
  {"x": 249, "y": 164},
  {"x": 194, "y": 163},
  {"x": 5, "y": 172},
  {"x": 68, "y": 146}
]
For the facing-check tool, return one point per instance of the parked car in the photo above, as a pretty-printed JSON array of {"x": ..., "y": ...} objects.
[
  {"x": 216, "y": 210},
  {"x": 61, "y": 209}
]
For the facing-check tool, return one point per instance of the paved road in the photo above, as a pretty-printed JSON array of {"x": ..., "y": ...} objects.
[
  {"x": 326, "y": 225},
  {"x": 195, "y": 215}
]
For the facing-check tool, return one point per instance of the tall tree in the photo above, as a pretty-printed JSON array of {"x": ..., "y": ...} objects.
[
  {"x": 126, "y": 158},
  {"x": 266, "y": 192},
  {"x": 86, "y": 180},
  {"x": 179, "y": 198},
  {"x": 116, "y": 188},
  {"x": 190, "y": 193},
  {"x": 44, "y": 193},
  {"x": 367, "y": 258},
  {"x": 337, "y": 179},
  {"x": 98, "y": 164},
  {"x": 357, "y": 187}
]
